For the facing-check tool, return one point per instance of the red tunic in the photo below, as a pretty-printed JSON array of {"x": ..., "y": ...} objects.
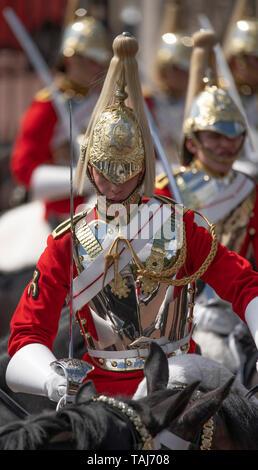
[
  {"x": 33, "y": 148},
  {"x": 36, "y": 318}
]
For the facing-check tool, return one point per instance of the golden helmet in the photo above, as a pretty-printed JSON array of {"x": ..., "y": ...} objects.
[
  {"x": 117, "y": 149},
  {"x": 118, "y": 142},
  {"x": 87, "y": 37},
  {"x": 208, "y": 106},
  {"x": 175, "y": 45}
]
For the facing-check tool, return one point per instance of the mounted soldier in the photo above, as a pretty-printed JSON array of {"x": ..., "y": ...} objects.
[
  {"x": 40, "y": 158},
  {"x": 170, "y": 78},
  {"x": 135, "y": 260},
  {"x": 214, "y": 132},
  {"x": 241, "y": 52}
]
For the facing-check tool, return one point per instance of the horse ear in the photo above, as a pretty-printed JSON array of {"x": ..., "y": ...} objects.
[
  {"x": 156, "y": 369},
  {"x": 167, "y": 410},
  {"x": 193, "y": 419},
  {"x": 86, "y": 392}
]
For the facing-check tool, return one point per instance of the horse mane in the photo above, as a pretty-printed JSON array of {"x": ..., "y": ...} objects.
[
  {"x": 241, "y": 418},
  {"x": 87, "y": 424}
]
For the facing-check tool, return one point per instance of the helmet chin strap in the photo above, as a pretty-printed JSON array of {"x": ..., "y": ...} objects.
[{"x": 213, "y": 156}]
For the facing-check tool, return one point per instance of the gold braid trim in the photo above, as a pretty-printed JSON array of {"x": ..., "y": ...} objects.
[{"x": 119, "y": 284}]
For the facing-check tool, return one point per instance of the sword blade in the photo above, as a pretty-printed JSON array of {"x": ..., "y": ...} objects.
[
  {"x": 41, "y": 68},
  {"x": 163, "y": 157},
  {"x": 72, "y": 237}
]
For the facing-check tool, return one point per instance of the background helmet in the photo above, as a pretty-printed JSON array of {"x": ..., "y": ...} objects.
[
  {"x": 175, "y": 45},
  {"x": 87, "y": 37},
  {"x": 208, "y": 106}
]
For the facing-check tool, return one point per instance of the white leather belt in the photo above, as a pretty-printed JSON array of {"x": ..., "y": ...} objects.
[{"x": 133, "y": 359}]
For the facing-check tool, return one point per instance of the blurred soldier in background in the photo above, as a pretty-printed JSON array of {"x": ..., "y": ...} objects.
[
  {"x": 214, "y": 133},
  {"x": 40, "y": 159},
  {"x": 241, "y": 51},
  {"x": 41, "y": 154},
  {"x": 171, "y": 71}
]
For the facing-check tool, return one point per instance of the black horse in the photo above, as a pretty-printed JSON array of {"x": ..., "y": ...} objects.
[
  {"x": 98, "y": 423},
  {"x": 93, "y": 422},
  {"x": 185, "y": 412},
  {"x": 222, "y": 419}
]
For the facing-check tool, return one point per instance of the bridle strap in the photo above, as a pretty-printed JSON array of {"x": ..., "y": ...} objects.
[
  {"x": 170, "y": 441},
  {"x": 141, "y": 436},
  {"x": 208, "y": 432}
]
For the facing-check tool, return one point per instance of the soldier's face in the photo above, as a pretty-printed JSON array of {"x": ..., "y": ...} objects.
[
  {"x": 114, "y": 192},
  {"x": 219, "y": 145},
  {"x": 245, "y": 68},
  {"x": 175, "y": 79},
  {"x": 85, "y": 71}
]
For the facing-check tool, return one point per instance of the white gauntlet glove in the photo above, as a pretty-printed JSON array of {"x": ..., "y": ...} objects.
[
  {"x": 55, "y": 386},
  {"x": 29, "y": 371}
]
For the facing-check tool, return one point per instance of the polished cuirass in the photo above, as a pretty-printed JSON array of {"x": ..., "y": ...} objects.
[
  {"x": 127, "y": 320},
  {"x": 227, "y": 202}
]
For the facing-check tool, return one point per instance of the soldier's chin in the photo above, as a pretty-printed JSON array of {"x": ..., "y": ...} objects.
[{"x": 116, "y": 199}]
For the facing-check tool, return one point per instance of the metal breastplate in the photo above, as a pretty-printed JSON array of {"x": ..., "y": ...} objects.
[
  {"x": 201, "y": 191},
  {"x": 144, "y": 314}
]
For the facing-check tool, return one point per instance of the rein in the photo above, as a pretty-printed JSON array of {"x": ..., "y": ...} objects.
[
  {"x": 17, "y": 409},
  {"x": 141, "y": 436}
]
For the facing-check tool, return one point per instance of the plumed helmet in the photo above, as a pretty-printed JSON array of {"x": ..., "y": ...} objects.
[
  {"x": 117, "y": 149},
  {"x": 87, "y": 37},
  {"x": 208, "y": 106},
  {"x": 242, "y": 32},
  {"x": 175, "y": 45},
  {"x": 244, "y": 39},
  {"x": 118, "y": 142}
]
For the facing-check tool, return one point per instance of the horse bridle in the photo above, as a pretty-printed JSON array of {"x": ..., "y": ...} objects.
[
  {"x": 205, "y": 438},
  {"x": 167, "y": 440},
  {"x": 142, "y": 440},
  {"x": 141, "y": 437}
]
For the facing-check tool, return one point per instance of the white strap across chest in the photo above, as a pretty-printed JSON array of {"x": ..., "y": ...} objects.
[
  {"x": 228, "y": 199},
  {"x": 87, "y": 284}
]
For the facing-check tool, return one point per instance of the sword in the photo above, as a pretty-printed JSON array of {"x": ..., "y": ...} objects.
[
  {"x": 74, "y": 370},
  {"x": 72, "y": 237},
  {"x": 163, "y": 157},
  {"x": 41, "y": 68}
]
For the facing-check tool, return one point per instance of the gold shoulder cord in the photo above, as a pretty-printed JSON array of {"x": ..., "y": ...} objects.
[
  {"x": 142, "y": 272},
  {"x": 65, "y": 226}
]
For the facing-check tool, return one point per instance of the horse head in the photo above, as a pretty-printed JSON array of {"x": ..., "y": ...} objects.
[
  {"x": 155, "y": 412},
  {"x": 196, "y": 419}
]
